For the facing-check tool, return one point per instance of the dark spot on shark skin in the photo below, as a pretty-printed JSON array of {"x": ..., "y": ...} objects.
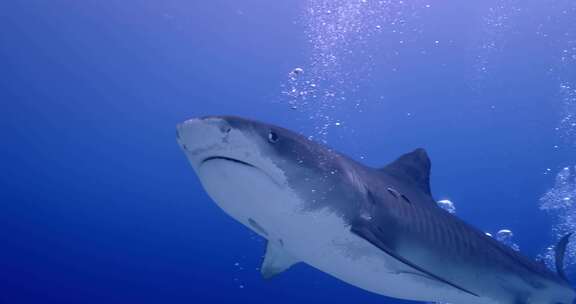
[
  {"x": 281, "y": 241},
  {"x": 398, "y": 195}
]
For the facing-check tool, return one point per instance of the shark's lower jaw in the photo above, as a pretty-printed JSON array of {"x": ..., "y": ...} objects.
[{"x": 243, "y": 191}]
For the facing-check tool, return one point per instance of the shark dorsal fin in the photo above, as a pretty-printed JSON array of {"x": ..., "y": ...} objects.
[
  {"x": 412, "y": 167},
  {"x": 560, "y": 251}
]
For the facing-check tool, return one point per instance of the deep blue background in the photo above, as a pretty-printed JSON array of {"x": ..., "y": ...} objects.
[{"x": 98, "y": 204}]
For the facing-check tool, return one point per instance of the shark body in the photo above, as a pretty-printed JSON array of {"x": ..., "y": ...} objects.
[{"x": 375, "y": 228}]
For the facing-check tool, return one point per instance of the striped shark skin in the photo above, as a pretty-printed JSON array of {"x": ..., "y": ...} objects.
[{"x": 378, "y": 229}]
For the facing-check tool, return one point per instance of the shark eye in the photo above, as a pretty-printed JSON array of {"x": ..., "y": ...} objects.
[{"x": 272, "y": 137}]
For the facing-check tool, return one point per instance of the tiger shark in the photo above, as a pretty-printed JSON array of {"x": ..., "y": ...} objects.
[{"x": 375, "y": 228}]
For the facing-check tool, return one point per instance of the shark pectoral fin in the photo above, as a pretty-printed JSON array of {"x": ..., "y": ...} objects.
[
  {"x": 364, "y": 231},
  {"x": 276, "y": 260}
]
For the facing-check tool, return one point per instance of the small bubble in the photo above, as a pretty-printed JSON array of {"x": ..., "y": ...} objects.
[{"x": 296, "y": 72}]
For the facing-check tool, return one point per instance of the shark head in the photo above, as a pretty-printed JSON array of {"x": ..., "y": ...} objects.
[
  {"x": 237, "y": 144},
  {"x": 258, "y": 172}
]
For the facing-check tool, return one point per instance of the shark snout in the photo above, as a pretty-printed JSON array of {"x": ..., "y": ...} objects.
[{"x": 200, "y": 135}]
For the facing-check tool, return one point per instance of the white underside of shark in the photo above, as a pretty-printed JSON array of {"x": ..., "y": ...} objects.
[{"x": 320, "y": 239}]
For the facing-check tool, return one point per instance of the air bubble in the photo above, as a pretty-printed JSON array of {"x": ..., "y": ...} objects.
[
  {"x": 295, "y": 73},
  {"x": 447, "y": 205},
  {"x": 505, "y": 236}
]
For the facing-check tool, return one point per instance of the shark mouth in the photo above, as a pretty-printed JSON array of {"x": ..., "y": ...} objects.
[
  {"x": 228, "y": 159},
  {"x": 240, "y": 162}
]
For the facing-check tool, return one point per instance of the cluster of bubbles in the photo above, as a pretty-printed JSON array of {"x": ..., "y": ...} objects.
[
  {"x": 496, "y": 23},
  {"x": 565, "y": 67},
  {"x": 340, "y": 32},
  {"x": 560, "y": 201},
  {"x": 243, "y": 264},
  {"x": 567, "y": 125},
  {"x": 239, "y": 268}
]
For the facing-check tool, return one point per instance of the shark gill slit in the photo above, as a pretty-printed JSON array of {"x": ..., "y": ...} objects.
[{"x": 257, "y": 226}]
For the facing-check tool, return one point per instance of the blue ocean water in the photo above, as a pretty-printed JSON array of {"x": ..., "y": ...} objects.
[{"x": 98, "y": 203}]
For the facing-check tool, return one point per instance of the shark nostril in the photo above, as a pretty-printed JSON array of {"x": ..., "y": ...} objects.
[{"x": 225, "y": 129}]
